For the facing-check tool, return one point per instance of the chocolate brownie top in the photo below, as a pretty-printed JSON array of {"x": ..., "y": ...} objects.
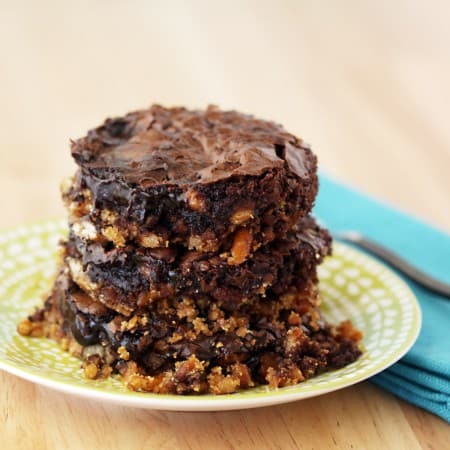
[{"x": 176, "y": 146}]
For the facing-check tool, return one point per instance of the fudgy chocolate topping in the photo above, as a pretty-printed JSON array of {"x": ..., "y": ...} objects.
[{"x": 177, "y": 146}]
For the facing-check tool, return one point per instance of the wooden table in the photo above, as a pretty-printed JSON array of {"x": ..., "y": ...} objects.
[{"x": 365, "y": 82}]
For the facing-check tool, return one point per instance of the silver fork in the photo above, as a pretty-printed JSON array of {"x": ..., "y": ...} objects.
[{"x": 394, "y": 260}]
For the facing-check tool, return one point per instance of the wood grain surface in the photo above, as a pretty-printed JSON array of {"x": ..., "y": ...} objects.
[{"x": 365, "y": 82}]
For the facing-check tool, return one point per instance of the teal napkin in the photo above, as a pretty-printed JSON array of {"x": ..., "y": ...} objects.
[{"x": 422, "y": 377}]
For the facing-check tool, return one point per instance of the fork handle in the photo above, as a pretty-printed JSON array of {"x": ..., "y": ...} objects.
[{"x": 420, "y": 277}]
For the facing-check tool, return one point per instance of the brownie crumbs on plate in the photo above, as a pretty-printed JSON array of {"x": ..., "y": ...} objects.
[
  {"x": 191, "y": 261},
  {"x": 178, "y": 346}
]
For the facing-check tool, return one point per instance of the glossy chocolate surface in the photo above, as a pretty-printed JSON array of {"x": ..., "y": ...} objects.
[{"x": 177, "y": 146}]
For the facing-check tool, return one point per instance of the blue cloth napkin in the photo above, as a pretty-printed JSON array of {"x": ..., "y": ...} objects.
[{"x": 422, "y": 377}]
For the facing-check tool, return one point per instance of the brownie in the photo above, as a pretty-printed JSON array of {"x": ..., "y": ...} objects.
[
  {"x": 169, "y": 175},
  {"x": 191, "y": 260},
  {"x": 180, "y": 348},
  {"x": 128, "y": 278}
]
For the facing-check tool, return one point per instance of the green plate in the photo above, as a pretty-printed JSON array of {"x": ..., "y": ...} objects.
[{"x": 354, "y": 286}]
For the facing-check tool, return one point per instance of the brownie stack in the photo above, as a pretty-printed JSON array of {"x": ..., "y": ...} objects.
[{"x": 190, "y": 264}]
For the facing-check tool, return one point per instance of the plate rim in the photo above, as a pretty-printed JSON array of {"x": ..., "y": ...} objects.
[{"x": 170, "y": 402}]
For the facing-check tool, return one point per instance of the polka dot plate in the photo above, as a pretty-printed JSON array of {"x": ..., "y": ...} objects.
[{"x": 353, "y": 285}]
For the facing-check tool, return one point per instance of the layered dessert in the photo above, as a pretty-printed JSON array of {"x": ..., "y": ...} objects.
[
  {"x": 191, "y": 260},
  {"x": 132, "y": 277}
]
